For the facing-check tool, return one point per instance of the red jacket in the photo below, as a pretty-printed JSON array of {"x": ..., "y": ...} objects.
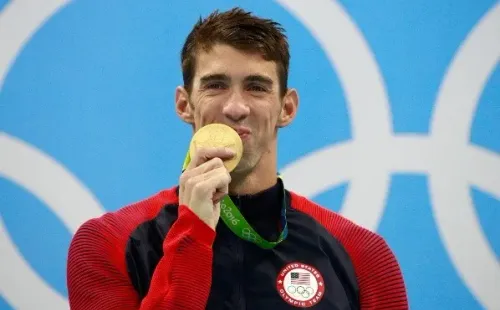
[{"x": 155, "y": 254}]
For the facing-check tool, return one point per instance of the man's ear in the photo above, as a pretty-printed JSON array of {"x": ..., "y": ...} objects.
[
  {"x": 289, "y": 107},
  {"x": 183, "y": 107}
]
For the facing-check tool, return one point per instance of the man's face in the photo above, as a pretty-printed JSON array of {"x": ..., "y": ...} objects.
[{"x": 240, "y": 90}]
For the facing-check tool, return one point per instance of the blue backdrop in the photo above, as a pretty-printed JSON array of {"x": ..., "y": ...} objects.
[{"x": 87, "y": 125}]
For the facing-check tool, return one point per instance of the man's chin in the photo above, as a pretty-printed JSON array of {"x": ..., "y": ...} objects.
[
  {"x": 246, "y": 165},
  {"x": 240, "y": 170},
  {"x": 243, "y": 168}
]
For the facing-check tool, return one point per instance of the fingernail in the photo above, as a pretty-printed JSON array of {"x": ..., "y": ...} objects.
[{"x": 230, "y": 151}]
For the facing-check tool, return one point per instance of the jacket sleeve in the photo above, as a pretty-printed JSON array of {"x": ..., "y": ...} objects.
[
  {"x": 379, "y": 275},
  {"x": 97, "y": 275}
]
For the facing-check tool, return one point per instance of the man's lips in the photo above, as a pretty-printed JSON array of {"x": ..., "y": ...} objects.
[{"x": 243, "y": 132}]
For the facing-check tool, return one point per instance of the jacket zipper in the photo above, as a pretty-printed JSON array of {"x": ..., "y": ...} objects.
[
  {"x": 240, "y": 262},
  {"x": 240, "y": 297}
]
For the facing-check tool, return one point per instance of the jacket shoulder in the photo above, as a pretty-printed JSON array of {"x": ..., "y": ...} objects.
[
  {"x": 113, "y": 228},
  {"x": 344, "y": 229}
]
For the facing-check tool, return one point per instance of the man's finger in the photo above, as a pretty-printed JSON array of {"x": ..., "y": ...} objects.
[{"x": 203, "y": 155}]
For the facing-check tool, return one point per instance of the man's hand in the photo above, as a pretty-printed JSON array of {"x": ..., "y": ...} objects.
[{"x": 204, "y": 182}]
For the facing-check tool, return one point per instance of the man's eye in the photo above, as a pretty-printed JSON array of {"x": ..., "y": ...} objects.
[
  {"x": 257, "y": 88},
  {"x": 215, "y": 86}
]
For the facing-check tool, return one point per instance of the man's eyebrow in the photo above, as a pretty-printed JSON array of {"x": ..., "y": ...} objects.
[
  {"x": 214, "y": 77},
  {"x": 225, "y": 78},
  {"x": 259, "y": 78}
]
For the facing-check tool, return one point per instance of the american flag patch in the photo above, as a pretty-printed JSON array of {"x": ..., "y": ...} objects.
[{"x": 300, "y": 278}]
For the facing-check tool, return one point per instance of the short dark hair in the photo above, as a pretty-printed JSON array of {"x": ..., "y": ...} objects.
[{"x": 243, "y": 31}]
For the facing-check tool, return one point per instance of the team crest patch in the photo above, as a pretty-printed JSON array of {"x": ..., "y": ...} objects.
[{"x": 300, "y": 285}]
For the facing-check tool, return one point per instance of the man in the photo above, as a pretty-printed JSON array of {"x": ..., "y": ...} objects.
[{"x": 171, "y": 251}]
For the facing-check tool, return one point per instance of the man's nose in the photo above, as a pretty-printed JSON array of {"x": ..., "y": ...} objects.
[{"x": 236, "y": 109}]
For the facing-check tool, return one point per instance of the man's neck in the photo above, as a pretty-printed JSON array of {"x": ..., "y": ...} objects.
[{"x": 251, "y": 184}]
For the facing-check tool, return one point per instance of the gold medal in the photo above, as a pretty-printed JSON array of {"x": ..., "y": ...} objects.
[{"x": 218, "y": 135}]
